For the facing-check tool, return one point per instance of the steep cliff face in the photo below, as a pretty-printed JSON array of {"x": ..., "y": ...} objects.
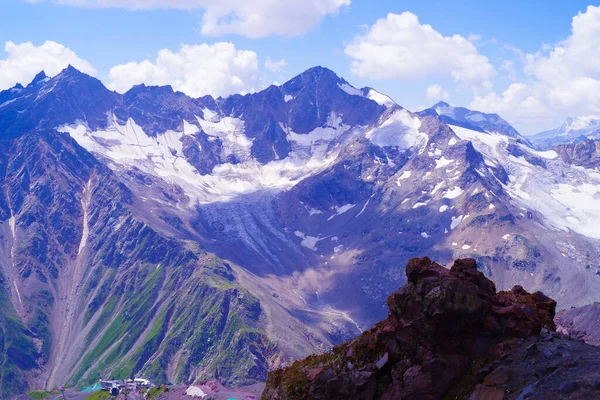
[{"x": 439, "y": 324}]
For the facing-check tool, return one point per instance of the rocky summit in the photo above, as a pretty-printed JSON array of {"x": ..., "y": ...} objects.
[{"x": 449, "y": 335}]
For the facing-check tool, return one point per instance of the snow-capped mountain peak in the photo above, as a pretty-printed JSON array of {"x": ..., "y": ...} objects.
[
  {"x": 475, "y": 120},
  {"x": 572, "y": 130},
  {"x": 583, "y": 124}
]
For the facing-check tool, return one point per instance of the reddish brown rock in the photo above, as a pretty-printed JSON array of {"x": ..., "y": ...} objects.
[
  {"x": 483, "y": 392},
  {"x": 499, "y": 376},
  {"x": 437, "y": 325}
]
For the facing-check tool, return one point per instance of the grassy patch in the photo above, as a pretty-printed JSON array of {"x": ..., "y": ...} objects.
[
  {"x": 155, "y": 391},
  {"x": 99, "y": 395},
  {"x": 39, "y": 395}
]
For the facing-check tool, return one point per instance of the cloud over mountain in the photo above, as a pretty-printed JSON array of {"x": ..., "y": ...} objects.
[
  {"x": 219, "y": 69},
  {"x": 400, "y": 47},
  {"x": 25, "y": 60}
]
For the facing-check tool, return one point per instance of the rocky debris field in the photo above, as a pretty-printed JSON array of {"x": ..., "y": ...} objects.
[
  {"x": 545, "y": 366},
  {"x": 450, "y": 335},
  {"x": 581, "y": 323}
]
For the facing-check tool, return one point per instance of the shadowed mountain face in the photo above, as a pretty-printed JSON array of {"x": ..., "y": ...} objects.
[{"x": 153, "y": 233}]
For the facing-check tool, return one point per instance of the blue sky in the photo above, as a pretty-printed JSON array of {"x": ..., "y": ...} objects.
[{"x": 511, "y": 43}]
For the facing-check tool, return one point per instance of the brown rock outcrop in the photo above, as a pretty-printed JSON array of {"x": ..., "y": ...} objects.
[{"x": 437, "y": 326}]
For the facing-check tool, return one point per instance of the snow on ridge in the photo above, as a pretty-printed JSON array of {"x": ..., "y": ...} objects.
[
  {"x": 231, "y": 132},
  {"x": 400, "y": 130},
  {"x": 445, "y": 110},
  {"x": 380, "y": 98},
  {"x": 351, "y": 90},
  {"x": 372, "y": 94},
  {"x": 162, "y": 155},
  {"x": 570, "y": 203},
  {"x": 476, "y": 117},
  {"x": 580, "y": 123}
]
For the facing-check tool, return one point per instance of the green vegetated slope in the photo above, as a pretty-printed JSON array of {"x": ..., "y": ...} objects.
[
  {"x": 123, "y": 299},
  {"x": 163, "y": 308},
  {"x": 193, "y": 318},
  {"x": 18, "y": 354}
]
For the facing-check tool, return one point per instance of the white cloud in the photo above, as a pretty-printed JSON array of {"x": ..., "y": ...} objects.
[
  {"x": 509, "y": 67},
  {"x": 564, "y": 81},
  {"x": 474, "y": 37},
  {"x": 400, "y": 47},
  {"x": 275, "y": 66},
  {"x": 435, "y": 93},
  {"x": 25, "y": 60},
  {"x": 219, "y": 69},
  {"x": 256, "y": 18}
]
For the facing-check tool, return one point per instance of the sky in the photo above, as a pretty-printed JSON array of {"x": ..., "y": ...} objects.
[{"x": 535, "y": 63}]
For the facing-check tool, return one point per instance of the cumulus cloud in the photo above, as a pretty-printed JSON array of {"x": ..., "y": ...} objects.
[
  {"x": 435, "y": 93},
  {"x": 219, "y": 69},
  {"x": 257, "y": 18},
  {"x": 564, "y": 79},
  {"x": 400, "y": 47},
  {"x": 25, "y": 60},
  {"x": 275, "y": 66}
]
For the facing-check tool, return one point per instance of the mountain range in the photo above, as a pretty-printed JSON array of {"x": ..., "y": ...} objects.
[
  {"x": 151, "y": 233},
  {"x": 573, "y": 130}
]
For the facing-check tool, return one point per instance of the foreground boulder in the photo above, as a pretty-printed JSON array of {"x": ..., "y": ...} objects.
[{"x": 440, "y": 326}]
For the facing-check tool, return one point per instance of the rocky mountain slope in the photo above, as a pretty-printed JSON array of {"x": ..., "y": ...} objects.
[
  {"x": 581, "y": 323},
  {"x": 449, "y": 334},
  {"x": 182, "y": 239}
]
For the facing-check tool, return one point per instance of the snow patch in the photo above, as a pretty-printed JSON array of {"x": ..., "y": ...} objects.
[
  {"x": 195, "y": 391},
  {"x": 405, "y": 175},
  {"x": 85, "y": 205},
  {"x": 456, "y": 221},
  {"x": 365, "y": 206},
  {"x": 341, "y": 210},
  {"x": 442, "y": 162},
  {"x": 443, "y": 208},
  {"x": 313, "y": 211},
  {"x": 453, "y": 193},
  {"x": 400, "y": 130},
  {"x": 310, "y": 242},
  {"x": 437, "y": 187}
]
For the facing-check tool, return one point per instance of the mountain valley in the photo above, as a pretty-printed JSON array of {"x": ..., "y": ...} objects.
[{"x": 187, "y": 239}]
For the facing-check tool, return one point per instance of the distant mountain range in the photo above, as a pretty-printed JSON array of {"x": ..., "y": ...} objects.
[
  {"x": 572, "y": 130},
  {"x": 150, "y": 233}
]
